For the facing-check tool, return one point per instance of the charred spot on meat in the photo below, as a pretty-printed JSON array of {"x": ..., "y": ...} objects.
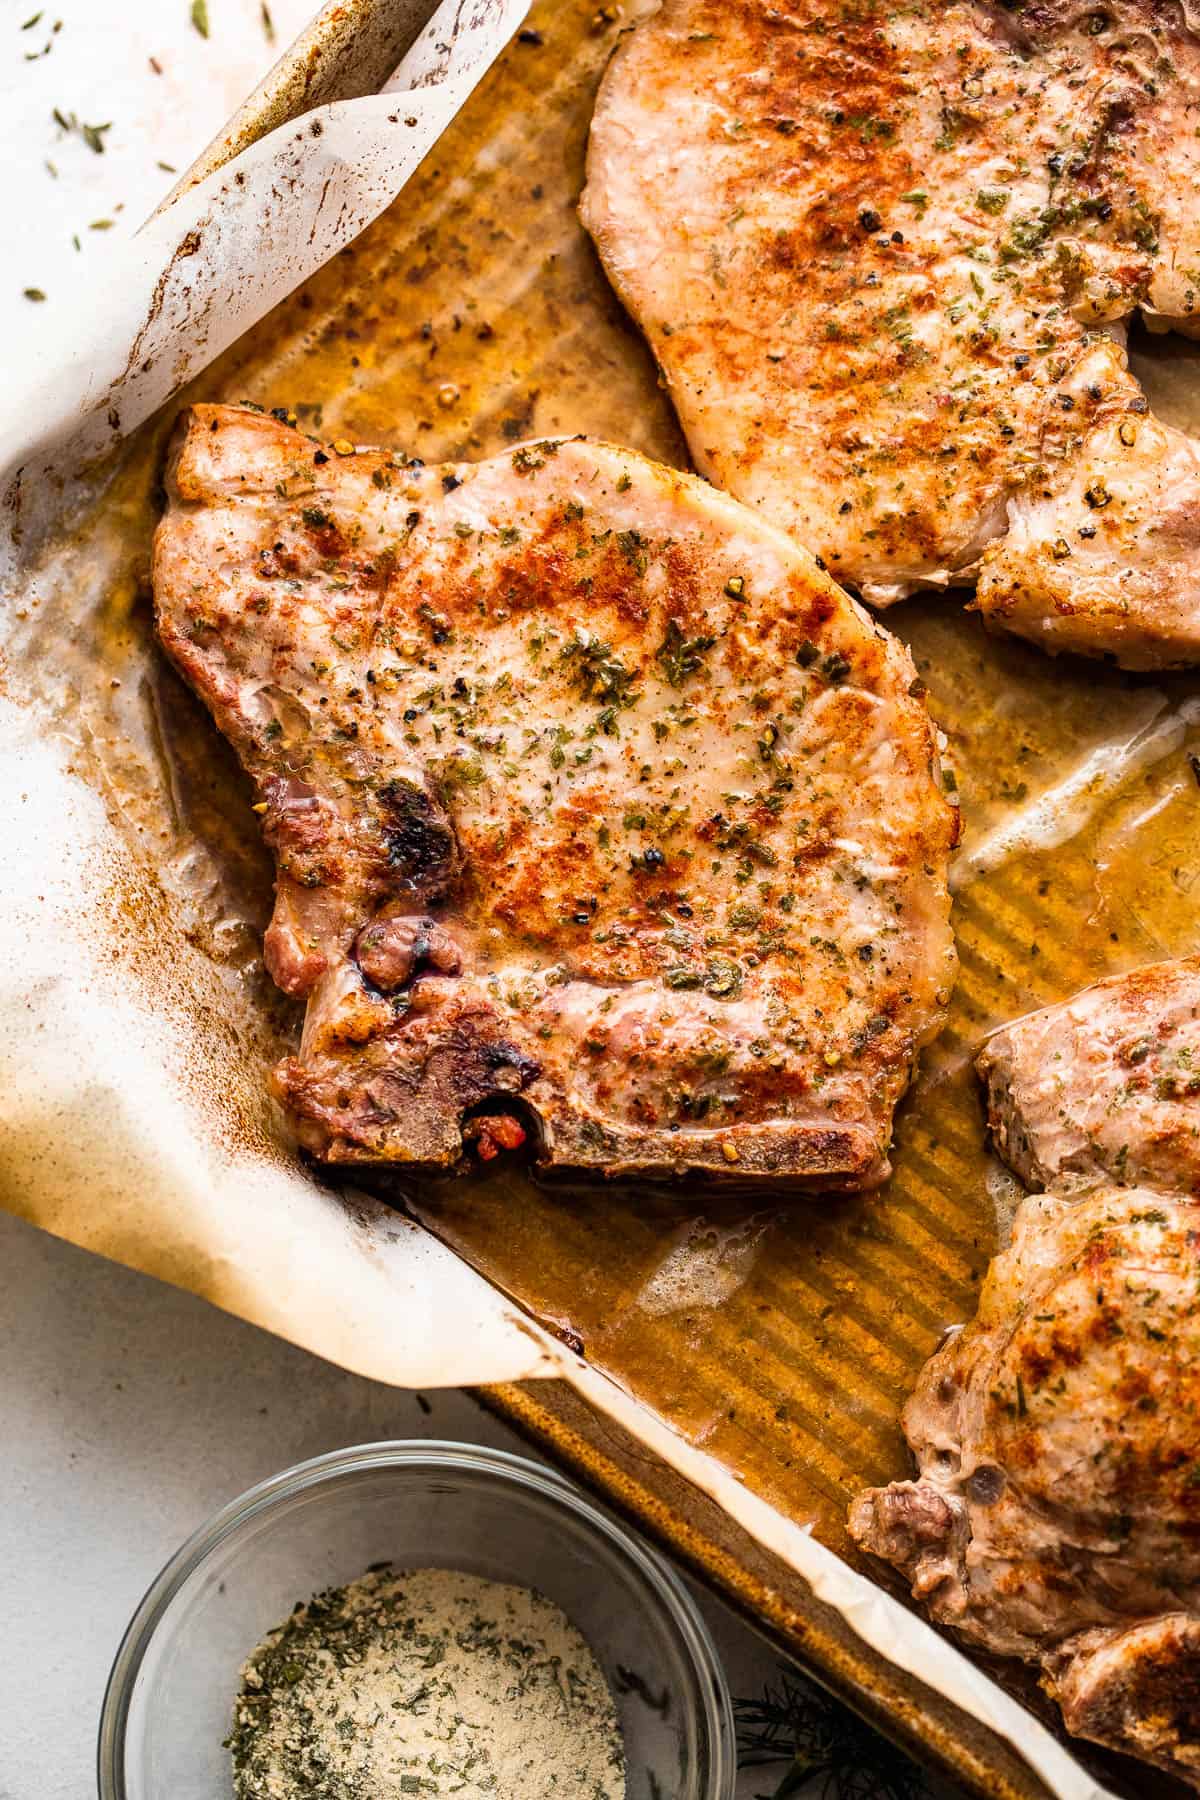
[
  {"x": 587, "y": 790},
  {"x": 419, "y": 840},
  {"x": 885, "y": 270}
]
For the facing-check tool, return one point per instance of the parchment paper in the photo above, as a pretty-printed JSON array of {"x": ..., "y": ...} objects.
[
  {"x": 214, "y": 261},
  {"x": 119, "y": 1128},
  {"x": 134, "y": 1018}
]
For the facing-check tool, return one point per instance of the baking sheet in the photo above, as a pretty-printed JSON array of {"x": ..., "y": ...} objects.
[{"x": 777, "y": 1345}]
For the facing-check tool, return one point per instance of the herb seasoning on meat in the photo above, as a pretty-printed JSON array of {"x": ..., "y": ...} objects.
[
  {"x": 586, "y": 789},
  {"x": 925, "y": 384},
  {"x": 425, "y": 1682}
]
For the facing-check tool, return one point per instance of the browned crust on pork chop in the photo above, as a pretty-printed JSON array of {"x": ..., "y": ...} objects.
[
  {"x": 593, "y": 800},
  {"x": 1056, "y": 1510},
  {"x": 883, "y": 257}
]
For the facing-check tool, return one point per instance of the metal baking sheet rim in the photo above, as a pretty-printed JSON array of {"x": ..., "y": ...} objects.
[{"x": 348, "y": 50}]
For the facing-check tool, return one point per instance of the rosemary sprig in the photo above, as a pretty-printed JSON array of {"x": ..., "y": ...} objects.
[{"x": 825, "y": 1742}]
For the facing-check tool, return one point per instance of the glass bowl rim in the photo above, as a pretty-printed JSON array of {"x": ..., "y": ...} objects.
[{"x": 665, "y": 1589}]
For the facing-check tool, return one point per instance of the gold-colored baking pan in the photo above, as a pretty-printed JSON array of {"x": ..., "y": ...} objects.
[{"x": 474, "y": 314}]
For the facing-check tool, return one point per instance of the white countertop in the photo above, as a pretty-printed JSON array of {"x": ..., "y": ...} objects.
[{"x": 130, "y": 1411}]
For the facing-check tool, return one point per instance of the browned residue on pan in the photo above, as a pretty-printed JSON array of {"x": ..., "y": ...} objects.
[{"x": 472, "y": 315}]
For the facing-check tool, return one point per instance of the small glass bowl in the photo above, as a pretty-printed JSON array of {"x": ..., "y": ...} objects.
[{"x": 421, "y": 1504}]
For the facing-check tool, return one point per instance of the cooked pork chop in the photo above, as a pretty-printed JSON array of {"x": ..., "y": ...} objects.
[
  {"x": 883, "y": 255},
  {"x": 1056, "y": 1512},
  {"x": 597, "y": 807},
  {"x": 1107, "y": 1085}
]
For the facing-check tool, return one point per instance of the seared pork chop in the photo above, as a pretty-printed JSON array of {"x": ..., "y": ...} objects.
[
  {"x": 884, "y": 255},
  {"x": 1056, "y": 1512},
  {"x": 598, "y": 809},
  {"x": 1105, "y": 1086}
]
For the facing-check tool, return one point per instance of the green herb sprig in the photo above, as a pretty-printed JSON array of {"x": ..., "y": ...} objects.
[{"x": 825, "y": 1743}]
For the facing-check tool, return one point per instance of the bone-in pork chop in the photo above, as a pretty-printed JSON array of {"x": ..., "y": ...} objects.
[
  {"x": 883, "y": 255},
  {"x": 1105, "y": 1085},
  {"x": 598, "y": 809},
  {"x": 1056, "y": 1510}
]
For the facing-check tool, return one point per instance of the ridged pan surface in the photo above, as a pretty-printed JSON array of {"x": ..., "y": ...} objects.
[{"x": 781, "y": 1336}]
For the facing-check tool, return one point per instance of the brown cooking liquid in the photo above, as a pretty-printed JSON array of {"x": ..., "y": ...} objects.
[{"x": 782, "y": 1337}]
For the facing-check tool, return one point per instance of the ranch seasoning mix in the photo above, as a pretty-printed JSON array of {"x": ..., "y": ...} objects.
[{"x": 425, "y": 1682}]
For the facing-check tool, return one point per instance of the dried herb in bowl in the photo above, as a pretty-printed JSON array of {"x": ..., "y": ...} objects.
[{"x": 425, "y": 1682}]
